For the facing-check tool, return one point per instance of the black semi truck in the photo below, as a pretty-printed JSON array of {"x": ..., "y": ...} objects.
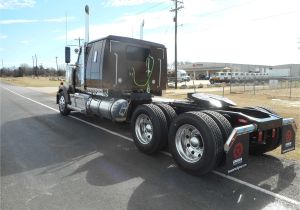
[{"x": 121, "y": 79}]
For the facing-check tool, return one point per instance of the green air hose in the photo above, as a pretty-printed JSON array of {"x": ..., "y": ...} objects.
[{"x": 149, "y": 70}]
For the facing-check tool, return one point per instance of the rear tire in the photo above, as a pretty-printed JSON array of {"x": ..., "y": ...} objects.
[
  {"x": 223, "y": 124},
  {"x": 62, "y": 105},
  {"x": 148, "y": 127},
  {"x": 169, "y": 112},
  {"x": 195, "y": 142}
]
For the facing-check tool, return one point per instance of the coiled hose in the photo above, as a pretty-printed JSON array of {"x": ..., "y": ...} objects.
[{"x": 149, "y": 70}]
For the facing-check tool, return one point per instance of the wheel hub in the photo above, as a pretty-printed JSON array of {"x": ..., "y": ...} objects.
[
  {"x": 62, "y": 103},
  {"x": 144, "y": 129},
  {"x": 194, "y": 141},
  {"x": 189, "y": 143}
]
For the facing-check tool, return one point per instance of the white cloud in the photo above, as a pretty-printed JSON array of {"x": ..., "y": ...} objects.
[
  {"x": 17, "y": 21},
  {"x": 49, "y": 20},
  {"x": 2, "y": 36},
  {"x": 14, "y": 4},
  {"x": 25, "y": 42}
]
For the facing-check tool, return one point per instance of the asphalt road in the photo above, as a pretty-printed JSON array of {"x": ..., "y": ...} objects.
[{"x": 53, "y": 162}]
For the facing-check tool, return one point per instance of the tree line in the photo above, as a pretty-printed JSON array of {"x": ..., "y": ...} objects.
[{"x": 26, "y": 70}]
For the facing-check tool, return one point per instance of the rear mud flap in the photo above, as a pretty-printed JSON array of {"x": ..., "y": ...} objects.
[
  {"x": 288, "y": 135},
  {"x": 237, "y": 148}
]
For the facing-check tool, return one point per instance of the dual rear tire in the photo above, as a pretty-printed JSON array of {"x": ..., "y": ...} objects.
[
  {"x": 196, "y": 142},
  {"x": 195, "y": 139},
  {"x": 148, "y": 127}
]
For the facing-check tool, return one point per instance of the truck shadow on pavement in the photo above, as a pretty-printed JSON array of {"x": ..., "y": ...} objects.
[{"x": 151, "y": 182}]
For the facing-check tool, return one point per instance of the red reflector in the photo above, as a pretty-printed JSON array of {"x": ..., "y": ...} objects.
[
  {"x": 273, "y": 133},
  {"x": 260, "y": 136},
  {"x": 240, "y": 120}
]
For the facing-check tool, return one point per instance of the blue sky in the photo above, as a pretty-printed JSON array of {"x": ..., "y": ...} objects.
[{"x": 240, "y": 31}]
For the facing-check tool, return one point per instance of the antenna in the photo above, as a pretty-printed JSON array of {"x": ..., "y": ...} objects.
[{"x": 66, "y": 28}]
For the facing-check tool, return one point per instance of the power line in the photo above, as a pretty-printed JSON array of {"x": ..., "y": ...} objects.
[
  {"x": 149, "y": 8},
  {"x": 276, "y": 15},
  {"x": 226, "y": 8}
]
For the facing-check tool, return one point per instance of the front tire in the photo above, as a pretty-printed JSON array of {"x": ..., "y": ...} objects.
[
  {"x": 195, "y": 142},
  {"x": 148, "y": 127},
  {"x": 62, "y": 105}
]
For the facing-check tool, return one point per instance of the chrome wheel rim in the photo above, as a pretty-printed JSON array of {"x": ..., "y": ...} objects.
[
  {"x": 143, "y": 129},
  {"x": 62, "y": 103},
  {"x": 189, "y": 143}
]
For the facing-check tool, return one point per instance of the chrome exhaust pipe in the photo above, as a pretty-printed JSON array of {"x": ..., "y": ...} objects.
[{"x": 87, "y": 13}]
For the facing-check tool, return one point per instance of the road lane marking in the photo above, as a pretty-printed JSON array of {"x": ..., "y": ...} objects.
[
  {"x": 276, "y": 195},
  {"x": 231, "y": 178},
  {"x": 18, "y": 94}
]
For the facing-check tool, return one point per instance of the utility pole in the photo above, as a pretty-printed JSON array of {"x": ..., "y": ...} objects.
[
  {"x": 33, "y": 69},
  {"x": 36, "y": 68},
  {"x": 56, "y": 63},
  {"x": 57, "y": 66},
  {"x": 35, "y": 60},
  {"x": 79, "y": 41},
  {"x": 175, "y": 21}
]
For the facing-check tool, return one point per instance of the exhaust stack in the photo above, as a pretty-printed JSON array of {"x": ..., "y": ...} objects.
[{"x": 87, "y": 13}]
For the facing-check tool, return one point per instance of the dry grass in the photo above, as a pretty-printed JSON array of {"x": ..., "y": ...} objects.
[
  {"x": 32, "y": 82},
  {"x": 282, "y": 105}
]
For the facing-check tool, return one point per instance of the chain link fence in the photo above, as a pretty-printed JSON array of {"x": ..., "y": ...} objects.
[
  {"x": 279, "y": 87},
  {"x": 287, "y": 87}
]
